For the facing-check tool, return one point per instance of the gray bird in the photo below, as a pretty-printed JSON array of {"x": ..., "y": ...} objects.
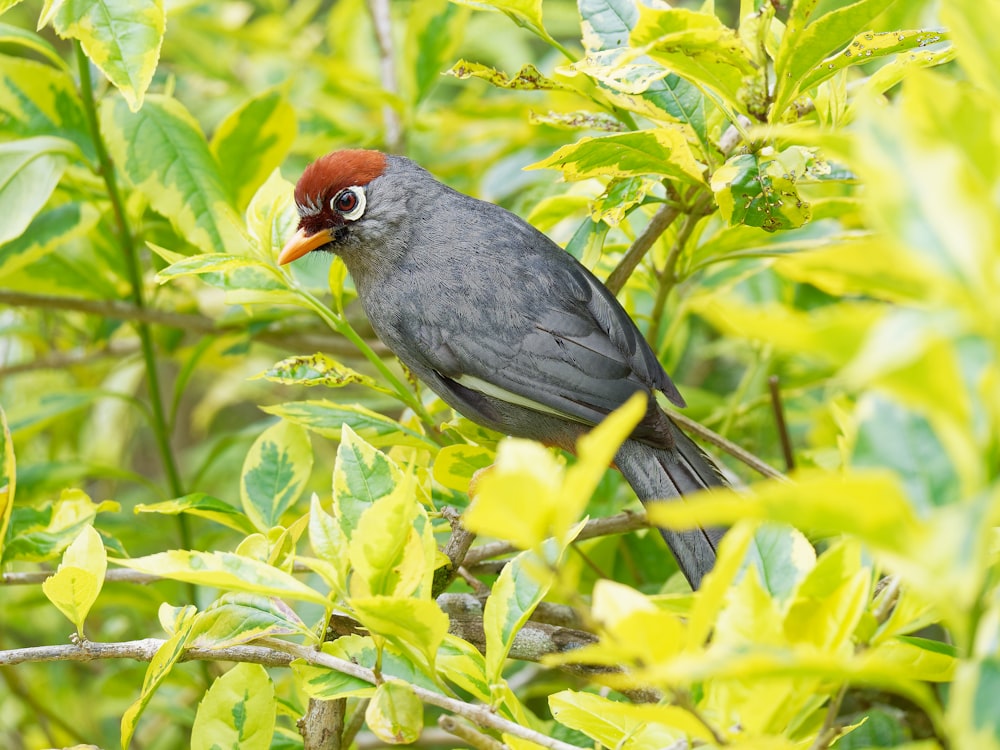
[{"x": 503, "y": 324}]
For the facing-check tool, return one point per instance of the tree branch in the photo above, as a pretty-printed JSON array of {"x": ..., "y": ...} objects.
[
  {"x": 658, "y": 224},
  {"x": 478, "y": 714},
  {"x": 289, "y": 340}
]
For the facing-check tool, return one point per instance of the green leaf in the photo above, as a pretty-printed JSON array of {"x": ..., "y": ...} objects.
[
  {"x": 271, "y": 215},
  {"x": 224, "y": 570},
  {"x": 648, "y": 88},
  {"x": 317, "y": 369},
  {"x": 263, "y": 126},
  {"x": 803, "y": 47},
  {"x": 870, "y": 45},
  {"x": 8, "y": 479},
  {"x": 526, "y": 79},
  {"x": 238, "y": 711},
  {"x": 190, "y": 192},
  {"x": 522, "y": 584},
  {"x": 782, "y": 556},
  {"x": 330, "y": 545},
  {"x": 696, "y": 46},
  {"x": 386, "y": 550},
  {"x": 328, "y": 417},
  {"x": 30, "y": 169},
  {"x": 48, "y": 231},
  {"x": 203, "y": 506},
  {"x": 525, "y": 13},
  {"x": 240, "y": 618},
  {"x": 121, "y": 37},
  {"x": 274, "y": 473},
  {"x": 662, "y": 151},
  {"x": 971, "y": 705},
  {"x": 759, "y": 190},
  {"x": 38, "y": 99},
  {"x": 362, "y": 475},
  {"x": 74, "y": 587},
  {"x": 415, "y": 626},
  {"x": 24, "y": 38},
  {"x": 49, "y": 534},
  {"x": 395, "y": 715}
]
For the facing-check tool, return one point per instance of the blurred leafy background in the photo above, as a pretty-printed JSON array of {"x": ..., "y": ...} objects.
[{"x": 820, "y": 220}]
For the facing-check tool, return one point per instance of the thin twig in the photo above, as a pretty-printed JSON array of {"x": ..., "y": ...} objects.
[
  {"x": 478, "y": 714},
  {"x": 467, "y": 734},
  {"x": 779, "y": 420},
  {"x": 728, "y": 446},
  {"x": 830, "y": 731}
]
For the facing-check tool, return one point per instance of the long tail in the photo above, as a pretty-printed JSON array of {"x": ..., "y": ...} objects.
[{"x": 668, "y": 474}]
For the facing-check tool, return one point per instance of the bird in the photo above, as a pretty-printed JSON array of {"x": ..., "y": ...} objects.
[{"x": 503, "y": 324}]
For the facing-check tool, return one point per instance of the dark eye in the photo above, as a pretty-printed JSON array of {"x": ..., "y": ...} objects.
[
  {"x": 349, "y": 202},
  {"x": 346, "y": 201}
]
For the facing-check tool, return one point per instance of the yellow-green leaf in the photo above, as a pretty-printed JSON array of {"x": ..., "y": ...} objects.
[
  {"x": 121, "y": 37},
  {"x": 30, "y": 169},
  {"x": 395, "y": 715},
  {"x": 224, "y": 570},
  {"x": 241, "y": 618},
  {"x": 274, "y": 473},
  {"x": 74, "y": 587},
  {"x": 159, "y": 667},
  {"x": 662, "y": 151},
  {"x": 625, "y": 725},
  {"x": 455, "y": 465},
  {"x": 238, "y": 711},
  {"x": 317, "y": 369},
  {"x": 191, "y": 193},
  {"x": 527, "y": 78},
  {"x": 8, "y": 478},
  {"x": 327, "y": 418},
  {"x": 264, "y": 126},
  {"x": 415, "y": 626},
  {"x": 203, "y": 506}
]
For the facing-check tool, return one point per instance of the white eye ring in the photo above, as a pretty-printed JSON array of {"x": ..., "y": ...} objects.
[{"x": 349, "y": 202}]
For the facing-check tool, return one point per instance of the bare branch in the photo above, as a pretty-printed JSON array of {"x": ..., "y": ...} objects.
[
  {"x": 141, "y": 650},
  {"x": 290, "y": 340},
  {"x": 479, "y": 714},
  {"x": 323, "y": 725}
]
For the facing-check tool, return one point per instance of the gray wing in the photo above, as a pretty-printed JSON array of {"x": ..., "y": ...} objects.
[{"x": 567, "y": 346}]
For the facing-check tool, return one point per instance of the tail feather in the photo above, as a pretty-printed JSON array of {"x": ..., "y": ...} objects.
[{"x": 658, "y": 474}]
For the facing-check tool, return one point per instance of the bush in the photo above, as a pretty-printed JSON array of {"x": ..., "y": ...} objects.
[{"x": 797, "y": 204}]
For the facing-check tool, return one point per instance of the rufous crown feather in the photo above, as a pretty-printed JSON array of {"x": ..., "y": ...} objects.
[{"x": 331, "y": 173}]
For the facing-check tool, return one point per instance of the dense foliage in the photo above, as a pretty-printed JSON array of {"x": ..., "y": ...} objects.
[{"x": 796, "y": 200}]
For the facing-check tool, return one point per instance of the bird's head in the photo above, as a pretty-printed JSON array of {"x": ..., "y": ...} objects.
[{"x": 332, "y": 198}]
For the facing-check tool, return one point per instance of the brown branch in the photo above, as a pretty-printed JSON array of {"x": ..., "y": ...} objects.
[
  {"x": 141, "y": 650},
  {"x": 658, "y": 224},
  {"x": 779, "y": 420},
  {"x": 323, "y": 725},
  {"x": 710, "y": 436},
  {"x": 468, "y": 735}
]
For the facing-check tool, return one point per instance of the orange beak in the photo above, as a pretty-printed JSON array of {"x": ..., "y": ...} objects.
[{"x": 301, "y": 243}]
